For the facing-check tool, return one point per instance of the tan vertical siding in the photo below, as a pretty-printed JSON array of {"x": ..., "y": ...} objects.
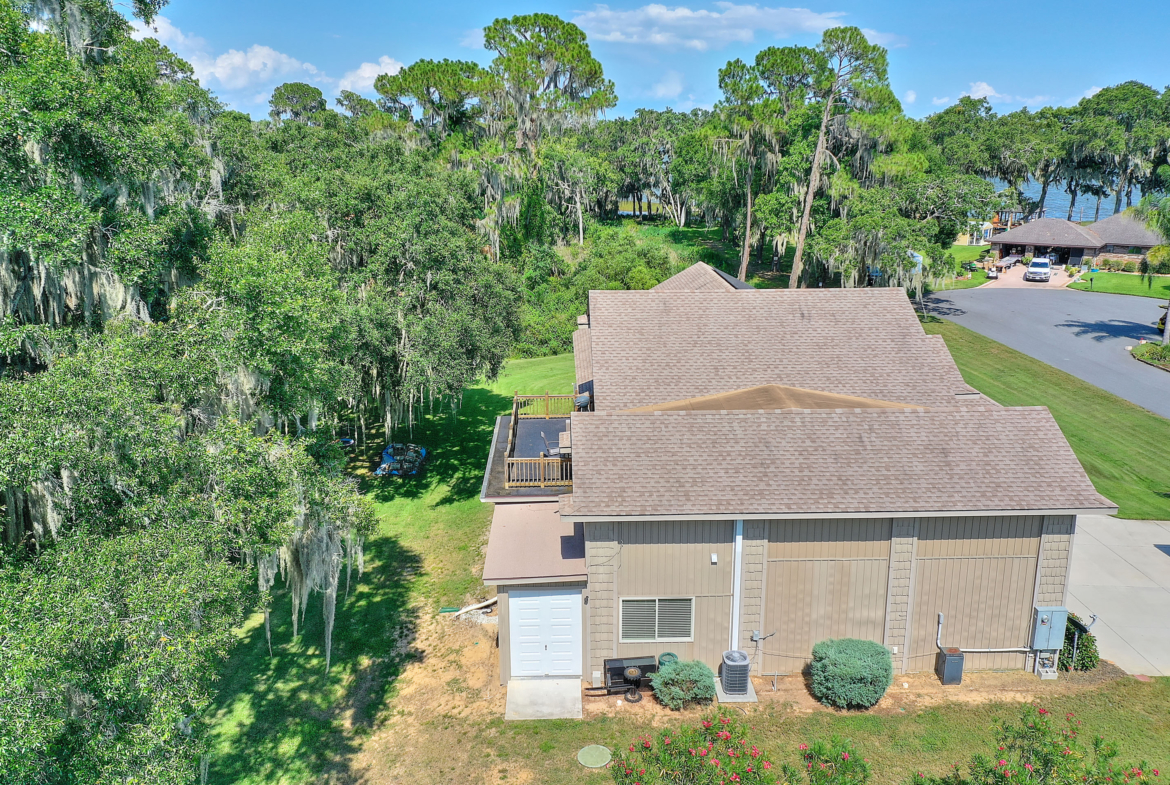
[
  {"x": 755, "y": 551},
  {"x": 673, "y": 559},
  {"x": 981, "y": 574},
  {"x": 825, "y": 579},
  {"x": 904, "y": 537},
  {"x": 1055, "y": 552}
]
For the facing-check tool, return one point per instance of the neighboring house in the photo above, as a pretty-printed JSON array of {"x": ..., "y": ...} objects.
[
  {"x": 1119, "y": 234},
  {"x": 762, "y": 470}
]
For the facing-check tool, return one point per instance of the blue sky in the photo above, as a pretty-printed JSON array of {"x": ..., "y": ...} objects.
[{"x": 1023, "y": 53}]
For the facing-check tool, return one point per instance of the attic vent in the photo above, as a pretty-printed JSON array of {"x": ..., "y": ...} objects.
[{"x": 666, "y": 619}]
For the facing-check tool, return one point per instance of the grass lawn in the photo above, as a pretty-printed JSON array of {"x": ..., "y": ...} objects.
[
  {"x": 967, "y": 253},
  {"x": 1126, "y": 283},
  {"x": 1122, "y": 446},
  {"x": 281, "y": 719}
]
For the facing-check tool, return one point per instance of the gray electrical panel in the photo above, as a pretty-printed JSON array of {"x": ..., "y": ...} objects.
[{"x": 1048, "y": 625}]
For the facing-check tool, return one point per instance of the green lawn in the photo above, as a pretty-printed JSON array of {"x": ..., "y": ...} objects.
[
  {"x": 967, "y": 253},
  {"x": 280, "y": 719},
  {"x": 1122, "y": 446},
  {"x": 1126, "y": 283}
]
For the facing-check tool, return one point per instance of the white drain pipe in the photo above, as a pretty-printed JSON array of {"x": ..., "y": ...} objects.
[
  {"x": 938, "y": 642},
  {"x": 736, "y": 571}
]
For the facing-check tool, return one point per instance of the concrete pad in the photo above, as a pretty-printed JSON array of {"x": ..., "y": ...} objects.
[
  {"x": 723, "y": 697},
  {"x": 1121, "y": 573},
  {"x": 543, "y": 699}
]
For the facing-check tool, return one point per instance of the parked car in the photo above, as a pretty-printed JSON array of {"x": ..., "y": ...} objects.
[{"x": 1039, "y": 270}]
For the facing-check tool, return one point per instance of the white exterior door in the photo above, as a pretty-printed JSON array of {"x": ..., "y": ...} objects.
[{"x": 545, "y": 632}]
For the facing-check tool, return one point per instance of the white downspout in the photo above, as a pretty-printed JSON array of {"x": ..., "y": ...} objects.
[{"x": 736, "y": 570}]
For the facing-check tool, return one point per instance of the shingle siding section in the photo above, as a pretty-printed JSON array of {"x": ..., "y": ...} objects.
[
  {"x": 905, "y": 534},
  {"x": 601, "y": 550},
  {"x": 821, "y": 462},
  {"x": 755, "y": 549},
  {"x": 1055, "y": 550}
]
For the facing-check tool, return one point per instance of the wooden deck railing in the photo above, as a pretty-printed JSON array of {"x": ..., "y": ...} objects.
[
  {"x": 537, "y": 472},
  {"x": 546, "y": 406}
]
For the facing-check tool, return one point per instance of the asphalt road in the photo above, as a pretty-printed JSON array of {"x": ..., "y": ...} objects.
[{"x": 1082, "y": 333}]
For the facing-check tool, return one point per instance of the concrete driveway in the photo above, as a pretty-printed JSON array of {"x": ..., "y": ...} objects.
[
  {"x": 1082, "y": 333},
  {"x": 1121, "y": 572}
]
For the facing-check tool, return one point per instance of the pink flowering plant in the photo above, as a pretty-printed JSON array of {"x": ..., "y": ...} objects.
[
  {"x": 718, "y": 750},
  {"x": 1041, "y": 749},
  {"x": 834, "y": 762}
]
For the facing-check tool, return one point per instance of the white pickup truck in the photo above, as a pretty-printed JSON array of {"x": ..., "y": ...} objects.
[{"x": 1039, "y": 270}]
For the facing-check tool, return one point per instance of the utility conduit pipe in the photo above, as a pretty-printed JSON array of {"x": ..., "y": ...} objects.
[{"x": 938, "y": 642}]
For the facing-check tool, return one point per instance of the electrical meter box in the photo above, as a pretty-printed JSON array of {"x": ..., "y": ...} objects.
[{"x": 1048, "y": 625}]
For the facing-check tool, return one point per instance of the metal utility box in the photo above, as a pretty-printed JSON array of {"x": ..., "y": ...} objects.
[
  {"x": 1048, "y": 625},
  {"x": 950, "y": 666}
]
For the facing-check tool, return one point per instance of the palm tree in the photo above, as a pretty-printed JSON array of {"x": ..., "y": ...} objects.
[{"x": 1155, "y": 211}]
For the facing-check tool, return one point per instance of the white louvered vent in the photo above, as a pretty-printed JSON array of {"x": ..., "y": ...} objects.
[
  {"x": 670, "y": 619},
  {"x": 674, "y": 619},
  {"x": 638, "y": 620}
]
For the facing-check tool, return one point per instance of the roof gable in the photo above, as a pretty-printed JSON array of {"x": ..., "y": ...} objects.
[
  {"x": 700, "y": 277},
  {"x": 770, "y": 396},
  {"x": 1125, "y": 229}
]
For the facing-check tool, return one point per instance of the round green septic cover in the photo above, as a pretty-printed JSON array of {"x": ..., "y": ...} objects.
[{"x": 594, "y": 756}]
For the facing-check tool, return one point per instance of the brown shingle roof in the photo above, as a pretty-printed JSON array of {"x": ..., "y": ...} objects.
[
  {"x": 771, "y": 396},
  {"x": 1123, "y": 229},
  {"x": 824, "y": 462},
  {"x": 654, "y": 346},
  {"x": 1050, "y": 232},
  {"x": 582, "y": 356},
  {"x": 701, "y": 277}
]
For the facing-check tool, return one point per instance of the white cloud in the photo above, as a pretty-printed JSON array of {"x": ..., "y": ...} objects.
[
  {"x": 472, "y": 39},
  {"x": 1034, "y": 101},
  {"x": 361, "y": 79},
  {"x": 984, "y": 90},
  {"x": 888, "y": 40},
  {"x": 940, "y": 101},
  {"x": 670, "y": 86},
  {"x": 682, "y": 27},
  {"x": 1092, "y": 91},
  {"x": 234, "y": 70},
  {"x": 910, "y": 96}
]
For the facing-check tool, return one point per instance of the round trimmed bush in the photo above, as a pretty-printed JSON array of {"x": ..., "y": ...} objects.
[
  {"x": 679, "y": 684},
  {"x": 848, "y": 673}
]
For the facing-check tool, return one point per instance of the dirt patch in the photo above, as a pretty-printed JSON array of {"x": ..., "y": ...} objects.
[{"x": 453, "y": 680}]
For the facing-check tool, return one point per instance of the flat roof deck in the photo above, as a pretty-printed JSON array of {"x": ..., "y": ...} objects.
[
  {"x": 530, "y": 542},
  {"x": 529, "y": 444}
]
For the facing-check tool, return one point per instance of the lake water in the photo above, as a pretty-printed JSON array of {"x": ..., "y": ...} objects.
[{"x": 1056, "y": 203}]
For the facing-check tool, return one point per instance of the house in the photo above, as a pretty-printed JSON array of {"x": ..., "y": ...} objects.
[
  {"x": 762, "y": 470},
  {"x": 1118, "y": 236}
]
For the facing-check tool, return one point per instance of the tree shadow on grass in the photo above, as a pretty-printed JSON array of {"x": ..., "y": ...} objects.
[
  {"x": 282, "y": 718},
  {"x": 457, "y": 446}
]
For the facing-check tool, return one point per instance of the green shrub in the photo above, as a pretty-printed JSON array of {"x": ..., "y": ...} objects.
[
  {"x": 720, "y": 749},
  {"x": 847, "y": 672},
  {"x": 835, "y": 762},
  {"x": 1087, "y": 656},
  {"x": 1037, "y": 750},
  {"x": 1129, "y": 267},
  {"x": 679, "y": 684}
]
